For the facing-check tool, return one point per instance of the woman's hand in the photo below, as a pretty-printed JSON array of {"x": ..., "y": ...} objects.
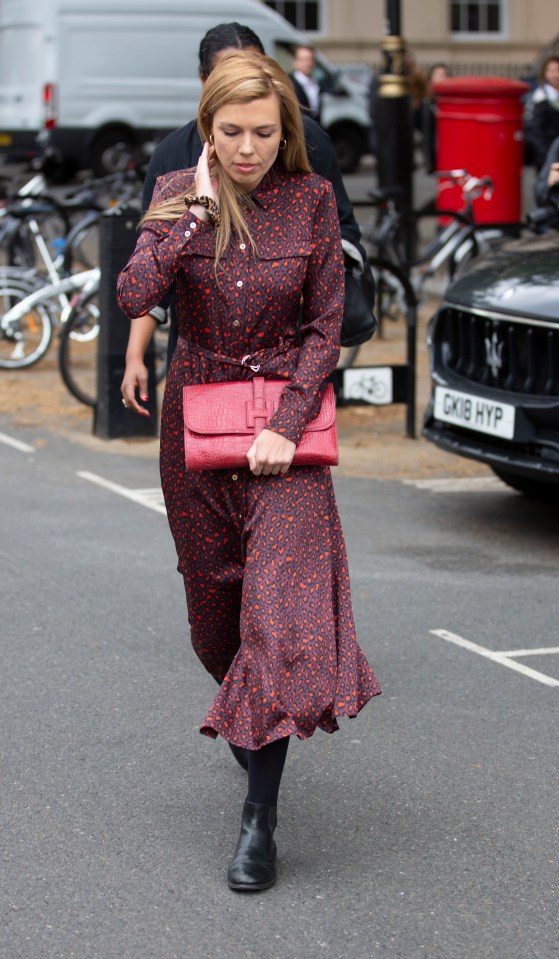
[
  {"x": 553, "y": 177},
  {"x": 136, "y": 375},
  {"x": 206, "y": 185},
  {"x": 270, "y": 454},
  {"x": 135, "y": 379}
]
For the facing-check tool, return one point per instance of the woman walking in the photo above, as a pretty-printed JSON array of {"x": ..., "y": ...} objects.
[{"x": 245, "y": 237}]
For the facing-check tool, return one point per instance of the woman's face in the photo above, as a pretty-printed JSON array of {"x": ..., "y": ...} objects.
[
  {"x": 552, "y": 73},
  {"x": 246, "y": 139}
]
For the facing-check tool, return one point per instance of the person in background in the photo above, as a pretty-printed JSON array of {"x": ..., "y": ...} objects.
[
  {"x": 546, "y": 187},
  {"x": 542, "y": 113},
  {"x": 182, "y": 148},
  {"x": 245, "y": 237},
  {"x": 304, "y": 83}
]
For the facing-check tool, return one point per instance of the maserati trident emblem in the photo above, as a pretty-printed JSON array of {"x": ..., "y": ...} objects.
[{"x": 494, "y": 353}]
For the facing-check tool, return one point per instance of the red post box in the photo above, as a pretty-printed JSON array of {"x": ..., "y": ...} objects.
[{"x": 480, "y": 129}]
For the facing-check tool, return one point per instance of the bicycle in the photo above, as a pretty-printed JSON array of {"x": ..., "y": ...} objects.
[
  {"x": 26, "y": 333},
  {"x": 451, "y": 249}
]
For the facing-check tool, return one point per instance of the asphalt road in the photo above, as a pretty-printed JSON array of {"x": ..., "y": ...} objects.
[{"x": 427, "y": 827}]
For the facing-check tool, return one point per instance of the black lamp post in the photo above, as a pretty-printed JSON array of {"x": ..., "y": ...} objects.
[{"x": 394, "y": 121}]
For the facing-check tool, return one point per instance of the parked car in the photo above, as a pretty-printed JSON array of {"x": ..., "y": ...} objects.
[{"x": 494, "y": 350}]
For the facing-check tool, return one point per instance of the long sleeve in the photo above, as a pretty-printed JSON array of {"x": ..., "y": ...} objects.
[
  {"x": 323, "y": 296},
  {"x": 151, "y": 270},
  {"x": 180, "y": 150}
]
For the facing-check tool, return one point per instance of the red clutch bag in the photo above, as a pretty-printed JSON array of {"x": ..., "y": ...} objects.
[{"x": 221, "y": 421}]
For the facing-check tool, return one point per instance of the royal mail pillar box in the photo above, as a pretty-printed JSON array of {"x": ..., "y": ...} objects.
[{"x": 480, "y": 129}]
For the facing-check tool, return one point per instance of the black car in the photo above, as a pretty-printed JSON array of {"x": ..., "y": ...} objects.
[{"x": 494, "y": 347}]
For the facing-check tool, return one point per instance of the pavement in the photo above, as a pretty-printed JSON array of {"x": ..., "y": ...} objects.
[{"x": 427, "y": 827}]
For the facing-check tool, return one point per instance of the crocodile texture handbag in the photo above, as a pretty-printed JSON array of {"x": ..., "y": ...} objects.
[{"x": 222, "y": 420}]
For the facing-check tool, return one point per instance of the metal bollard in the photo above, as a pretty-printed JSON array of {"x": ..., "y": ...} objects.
[{"x": 112, "y": 420}]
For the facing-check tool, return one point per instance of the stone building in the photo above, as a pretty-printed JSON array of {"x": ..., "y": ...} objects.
[{"x": 502, "y": 37}]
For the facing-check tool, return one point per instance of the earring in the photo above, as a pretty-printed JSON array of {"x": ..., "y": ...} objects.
[
  {"x": 282, "y": 143},
  {"x": 211, "y": 138}
]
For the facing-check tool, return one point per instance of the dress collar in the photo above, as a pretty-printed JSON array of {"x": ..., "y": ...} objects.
[{"x": 270, "y": 185}]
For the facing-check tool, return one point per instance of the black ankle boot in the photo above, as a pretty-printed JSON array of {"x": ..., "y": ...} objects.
[
  {"x": 240, "y": 754},
  {"x": 253, "y": 866}
]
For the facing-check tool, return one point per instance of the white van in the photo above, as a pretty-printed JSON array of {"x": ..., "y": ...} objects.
[{"x": 95, "y": 73}]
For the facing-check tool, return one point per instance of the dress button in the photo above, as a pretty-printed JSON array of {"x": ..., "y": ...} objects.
[
  {"x": 243, "y": 246},
  {"x": 192, "y": 226},
  {"x": 239, "y": 283},
  {"x": 187, "y": 233},
  {"x": 234, "y": 476},
  {"x": 236, "y": 323}
]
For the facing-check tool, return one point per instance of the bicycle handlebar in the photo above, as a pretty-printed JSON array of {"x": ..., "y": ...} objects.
[
  {"x": 457, "y": 176},
  {"x": 472, "y": 187},
  {"x": 477, "y": 187}
]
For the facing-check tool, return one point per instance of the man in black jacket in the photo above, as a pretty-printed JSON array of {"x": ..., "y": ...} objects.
[
  {"x": 306, "y": 87},
  {"x": 182, "y": 148}
]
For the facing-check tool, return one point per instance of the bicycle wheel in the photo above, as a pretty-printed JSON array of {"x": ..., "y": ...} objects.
[
  {"x": 78, "y": 349},
  {"x": 22, "y": 342},
  {"x": 82, "y": 244}
]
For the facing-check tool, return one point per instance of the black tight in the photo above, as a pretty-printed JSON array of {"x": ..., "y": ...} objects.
[{"x": 265, "y": 768}]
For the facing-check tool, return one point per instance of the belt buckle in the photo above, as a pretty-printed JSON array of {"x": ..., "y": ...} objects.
[{"x": 245, "y": 362}]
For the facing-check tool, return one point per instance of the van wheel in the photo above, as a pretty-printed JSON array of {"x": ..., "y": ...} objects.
[
  {"x": 532, "y": 488},
  {"x": 111, "y": 152},
  {"x": 347, "y": 147}
]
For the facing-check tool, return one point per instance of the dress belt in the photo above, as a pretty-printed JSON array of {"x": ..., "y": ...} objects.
[{"x": 252, "y": 361}]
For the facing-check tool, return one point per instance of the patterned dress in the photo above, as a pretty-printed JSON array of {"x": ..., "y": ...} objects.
[{"x": 263, "y": 557}]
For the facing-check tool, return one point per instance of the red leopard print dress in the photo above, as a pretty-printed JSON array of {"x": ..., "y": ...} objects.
[{"x": 263, "y": 557}]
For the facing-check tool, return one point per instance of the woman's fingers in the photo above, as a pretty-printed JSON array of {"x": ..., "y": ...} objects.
[
  {"x": 270, "y": 454},
  {"x": 135, "y": 382},
  {"x": 203, "y": 180}
]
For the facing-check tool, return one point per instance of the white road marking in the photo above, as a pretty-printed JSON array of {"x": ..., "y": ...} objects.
[
  {"x": 544, "y": 651},
  {"x": 500, "y": 658},
  {"x": 150, "y": 498},
  {"x": 464, "y": 484},
  {"x": 17, "y": 444}
]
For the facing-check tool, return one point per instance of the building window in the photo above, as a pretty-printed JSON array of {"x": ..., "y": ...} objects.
[
  {"x": 303, "y": 14},
  {"x": 477, "y": 16}
]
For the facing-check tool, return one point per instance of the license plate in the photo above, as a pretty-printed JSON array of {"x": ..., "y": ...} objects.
[
  {"x": 5, "y": 140},
  {"x": 474, "y": 413}
]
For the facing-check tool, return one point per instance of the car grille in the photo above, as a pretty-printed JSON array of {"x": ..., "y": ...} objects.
[{"x": 518, "y": 357}]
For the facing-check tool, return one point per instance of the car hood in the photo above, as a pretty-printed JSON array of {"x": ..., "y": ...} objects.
[{"x": 520, "y": 278}]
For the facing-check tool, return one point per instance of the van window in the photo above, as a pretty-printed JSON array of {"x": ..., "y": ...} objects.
[
  {"x": 303, "y": 14},
  {"x": 19, "y": 47}
]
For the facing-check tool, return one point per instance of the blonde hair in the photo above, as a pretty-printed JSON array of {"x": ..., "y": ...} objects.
[{"x": 241, "y": 77}]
